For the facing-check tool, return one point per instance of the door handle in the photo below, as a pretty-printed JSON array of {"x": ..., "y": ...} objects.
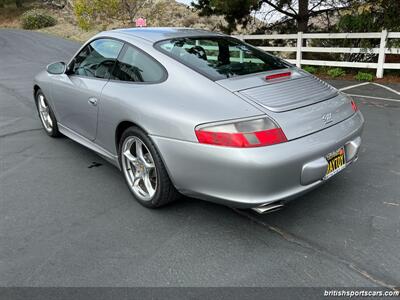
[{"x": 93, "y": 101}]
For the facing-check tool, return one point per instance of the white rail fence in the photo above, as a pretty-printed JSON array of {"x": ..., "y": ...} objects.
[{"x": 380, "y": 66}]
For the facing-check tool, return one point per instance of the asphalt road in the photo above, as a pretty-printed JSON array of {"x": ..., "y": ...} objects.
[{"x": 64, "y": 223}]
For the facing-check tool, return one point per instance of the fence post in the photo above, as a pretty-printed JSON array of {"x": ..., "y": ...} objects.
[
  {"x": 241, "y": 56},
  {"x": 298, "y": 51},
  {"x": 381, "y": 57}
]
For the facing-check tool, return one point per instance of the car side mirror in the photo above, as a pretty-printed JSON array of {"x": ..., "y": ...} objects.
[{"x": 56, "y": 68}]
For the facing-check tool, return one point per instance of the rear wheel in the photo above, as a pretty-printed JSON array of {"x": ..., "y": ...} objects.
[
  {"x": 46, "y": 115},
  {"x": 144, "y": 170}
]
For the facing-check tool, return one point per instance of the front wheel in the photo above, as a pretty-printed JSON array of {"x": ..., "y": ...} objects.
[
  {"x": 144, "y": 170},
  {"x": 46, "y": 115}
]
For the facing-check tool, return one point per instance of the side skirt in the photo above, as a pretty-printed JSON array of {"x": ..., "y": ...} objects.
[{"x": 111, "y": 158}]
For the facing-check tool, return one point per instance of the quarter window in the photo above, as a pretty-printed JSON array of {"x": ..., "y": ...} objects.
[
  {"x": 97, "y": 59},
  {"x": 135, "y": 66}
]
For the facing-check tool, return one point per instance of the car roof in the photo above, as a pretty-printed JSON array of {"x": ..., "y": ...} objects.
[{"x": 155, "y": 34}]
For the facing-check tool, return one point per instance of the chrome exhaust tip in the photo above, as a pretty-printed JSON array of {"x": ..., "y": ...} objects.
[{"x": 268, "y": 207}]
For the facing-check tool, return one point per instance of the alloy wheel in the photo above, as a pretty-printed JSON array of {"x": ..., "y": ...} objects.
[
  {"x": 44, "y": 112},
  {"x": 139, "y": 168}
]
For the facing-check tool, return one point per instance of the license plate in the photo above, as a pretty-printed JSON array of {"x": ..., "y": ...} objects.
[{"x": 336, "y": 162}]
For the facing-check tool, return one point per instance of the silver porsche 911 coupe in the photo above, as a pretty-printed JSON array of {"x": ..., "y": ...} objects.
[{"x": 183, "y": 111}]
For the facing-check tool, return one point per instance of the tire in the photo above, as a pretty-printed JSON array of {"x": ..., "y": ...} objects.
[
  {"x": 46, "y": 115},
  {"x": 138, "y": 174}
]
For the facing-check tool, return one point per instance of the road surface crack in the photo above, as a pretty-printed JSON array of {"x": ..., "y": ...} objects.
[
  {"x": 19, "y": 132},
  {"x": 304, "y": 244}
]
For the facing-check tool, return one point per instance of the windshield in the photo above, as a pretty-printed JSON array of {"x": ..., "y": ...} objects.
[{"x": 220, "y": 57}]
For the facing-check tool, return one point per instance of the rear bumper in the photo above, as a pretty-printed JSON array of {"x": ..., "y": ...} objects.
[{"x": 252, "y": 177}]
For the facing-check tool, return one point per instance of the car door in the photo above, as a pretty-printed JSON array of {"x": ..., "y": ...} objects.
[{"x": 77, "y": 93}]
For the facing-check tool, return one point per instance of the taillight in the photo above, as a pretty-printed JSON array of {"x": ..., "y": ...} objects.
[
  {"x": 242, "y": 134},
  {"x": 353, "y": 105}
]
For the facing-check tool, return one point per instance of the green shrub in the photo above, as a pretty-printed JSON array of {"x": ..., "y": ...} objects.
[
  {"x": 364, "y": 76},
  {"x": 310, "y": 69},
  {"x": 36, "y": 19},
  {"x": 336, "y": 72}
]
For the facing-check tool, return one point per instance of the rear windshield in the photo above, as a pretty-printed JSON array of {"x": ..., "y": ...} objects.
[{"x": 219, "y": 57}]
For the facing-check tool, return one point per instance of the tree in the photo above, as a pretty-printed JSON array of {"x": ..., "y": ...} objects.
[
  {"x": 239, "y": 11},
  {"x": 361, "y": 16},
  {"x": 371, "y": 15}
]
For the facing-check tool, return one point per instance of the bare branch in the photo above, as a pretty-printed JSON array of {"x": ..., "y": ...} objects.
[
  {"x": 316, "y": 5},
  {"x": 322, "y": 11},
  {"x": 293, "y": 15}
]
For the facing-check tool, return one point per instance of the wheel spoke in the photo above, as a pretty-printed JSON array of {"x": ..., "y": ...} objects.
[
  {"x": 136, "y": 182},
  {"x": 45, "y": 120},
  {"x": 148, "y": 185},
  {"x": 49, "y": 120},
  {"x": 44, "y": 109},
  {"x": 148, "y": 164},
  {"x": 42, "y": 102},
  {"x": 144, "y": 159},
  {"x": 139, "y": 150},
  {"x": 128, "y": 155}
]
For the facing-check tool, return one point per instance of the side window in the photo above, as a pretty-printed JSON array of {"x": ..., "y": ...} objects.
[
  {"x": 134, "y": 65},
  {"x": 97, "y": 59}
]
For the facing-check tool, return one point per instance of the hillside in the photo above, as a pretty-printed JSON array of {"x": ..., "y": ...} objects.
[{"x": 168, "y": 13}]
